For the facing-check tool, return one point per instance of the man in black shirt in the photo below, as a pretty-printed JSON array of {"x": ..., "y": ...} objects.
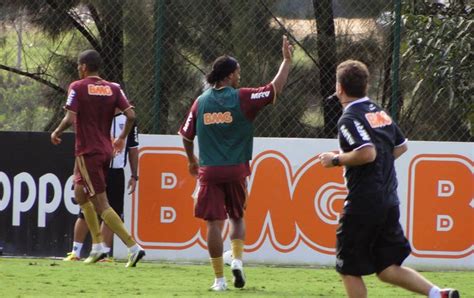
[{"x": 370, "y": 238}]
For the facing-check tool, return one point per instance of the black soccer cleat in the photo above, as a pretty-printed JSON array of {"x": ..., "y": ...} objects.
[
  {"x": 449, "y": 293},
  {"x": 238, "y": 273},
  {"x": 133, "y": 258}
]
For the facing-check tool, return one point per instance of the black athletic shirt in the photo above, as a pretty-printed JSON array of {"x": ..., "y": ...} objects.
[{"x": 373, "y": 185}]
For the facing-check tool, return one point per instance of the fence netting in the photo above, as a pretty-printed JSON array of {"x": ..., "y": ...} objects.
[{"x": 160, "y": 51}]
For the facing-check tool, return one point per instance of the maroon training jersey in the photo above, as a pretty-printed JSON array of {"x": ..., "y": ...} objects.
[
  {"x": 94, "y": 100},
  {"x": 252, "y": 101}
]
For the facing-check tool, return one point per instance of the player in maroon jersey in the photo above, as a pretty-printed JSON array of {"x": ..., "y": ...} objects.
[
  {"x": 222, "y": 119},
  {"x": 91, "y": 106}
]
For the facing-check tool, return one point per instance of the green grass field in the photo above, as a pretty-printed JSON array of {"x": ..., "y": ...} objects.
[{"x": 47, "y": 277}]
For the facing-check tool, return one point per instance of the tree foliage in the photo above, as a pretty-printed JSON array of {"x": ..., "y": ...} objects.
[
  {"x": 18, "y": 112},
  {"x": 159, "y": 50},
  {"x": 437, "y": 59}
]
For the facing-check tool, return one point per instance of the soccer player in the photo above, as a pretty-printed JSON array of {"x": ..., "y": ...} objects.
[
  {"x": 114, "y": 189},
  {"x": 222, "y": 118},
  {"x": 91, "y": 105},
  {"x": 370, "y": 238}
]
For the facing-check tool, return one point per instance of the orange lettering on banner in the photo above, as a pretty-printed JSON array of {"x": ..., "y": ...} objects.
[
  {"x": 163, "y": 217},
  {"x": 269, "y": 210},
  {"x": 289, "y": 208},
  {"x": 285, "y": 207},
  {"x": 440, "y": 198},
  {"x": 319, "y": 198}
]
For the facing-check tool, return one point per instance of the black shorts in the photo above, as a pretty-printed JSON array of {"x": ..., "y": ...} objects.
[
  {"x": 115, "y": 190},
  {"x": 369, "y": 243}
]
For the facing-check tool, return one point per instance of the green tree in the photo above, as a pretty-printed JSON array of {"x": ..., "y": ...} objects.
[
  {"x": 102, "y": 28},
  {"x": 437, "y": 71},
  {"x": 18, "y": 112}
]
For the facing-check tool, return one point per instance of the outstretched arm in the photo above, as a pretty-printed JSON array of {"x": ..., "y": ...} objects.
[{"x": 281, "y": 77}]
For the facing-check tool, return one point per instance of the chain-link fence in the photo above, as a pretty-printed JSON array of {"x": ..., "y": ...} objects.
[{"x": 418, "y": 52}]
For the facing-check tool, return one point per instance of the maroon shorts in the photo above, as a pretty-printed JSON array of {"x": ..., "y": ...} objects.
[
  {"x": 216, "y": 201},
  {"x": 90, "y": 171}
]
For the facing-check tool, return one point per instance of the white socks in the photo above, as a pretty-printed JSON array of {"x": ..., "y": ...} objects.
[
  {"x": 76, "y": 248},
  {"x": 97, "y": 247},
  {"x": 219, "y": 280},
  {"x": 134, "y": 248},
  {"x": 105, "y": 248},
  {"x": 434, "y": 292},
  {"x": 236, "y": 263}
]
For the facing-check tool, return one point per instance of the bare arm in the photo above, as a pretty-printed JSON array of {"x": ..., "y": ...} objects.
[
  {"x": 119, "y": 143},
  {"x": 67, "y": 121},
  {"x": 281, "y": 77},
  {"x": 193, "y": 165},
  {"x": 359, "y": 157},
  {"x": 398, "y": 151},
  {"x": 133, "y": 159}
]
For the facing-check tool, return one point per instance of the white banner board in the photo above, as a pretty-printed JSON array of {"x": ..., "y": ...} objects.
[{"x": 294, "y": 203}]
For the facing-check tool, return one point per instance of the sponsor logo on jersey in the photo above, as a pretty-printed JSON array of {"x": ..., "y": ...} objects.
[
  {"x": 188, "y": 121},
  {"x": 347, "y": 135},
  {"x": 135, "y": 134},
  {"x": 99, "y": 90},
  {"x": 217, "y": 118},
  {"x": 361, "y": 130},
  {"x": 378, "y": 119},
  {"x": 70, "y": 97},
  {"x": 259, "y": 95}
]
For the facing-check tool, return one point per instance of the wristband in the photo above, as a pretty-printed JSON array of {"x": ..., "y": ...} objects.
[
  {"x": 135, "y": 177},
  {"x": 335, "y": 161}
]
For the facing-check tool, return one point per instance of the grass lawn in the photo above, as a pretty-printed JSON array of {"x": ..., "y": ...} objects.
[{"x": 47, "y": 277}]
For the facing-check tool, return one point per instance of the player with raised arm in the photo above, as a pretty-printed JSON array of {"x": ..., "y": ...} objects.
[
  {"x": 222, "y": 118},
  {"x": 370, "y": 238},
  {"x": 91, "y": 105}
]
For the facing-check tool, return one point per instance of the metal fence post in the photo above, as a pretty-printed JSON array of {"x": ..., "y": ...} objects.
[
  {"x": 159, "y": 33},
  {"x": 396, "y": 59}
]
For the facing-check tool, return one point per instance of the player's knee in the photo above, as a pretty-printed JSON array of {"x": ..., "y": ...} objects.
[
  {"x": 387, "y": 274},
  {"x": 382, "y": 277}
]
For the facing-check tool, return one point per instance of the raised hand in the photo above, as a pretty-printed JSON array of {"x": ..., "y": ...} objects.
[{"x": 287, "y": 49}]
